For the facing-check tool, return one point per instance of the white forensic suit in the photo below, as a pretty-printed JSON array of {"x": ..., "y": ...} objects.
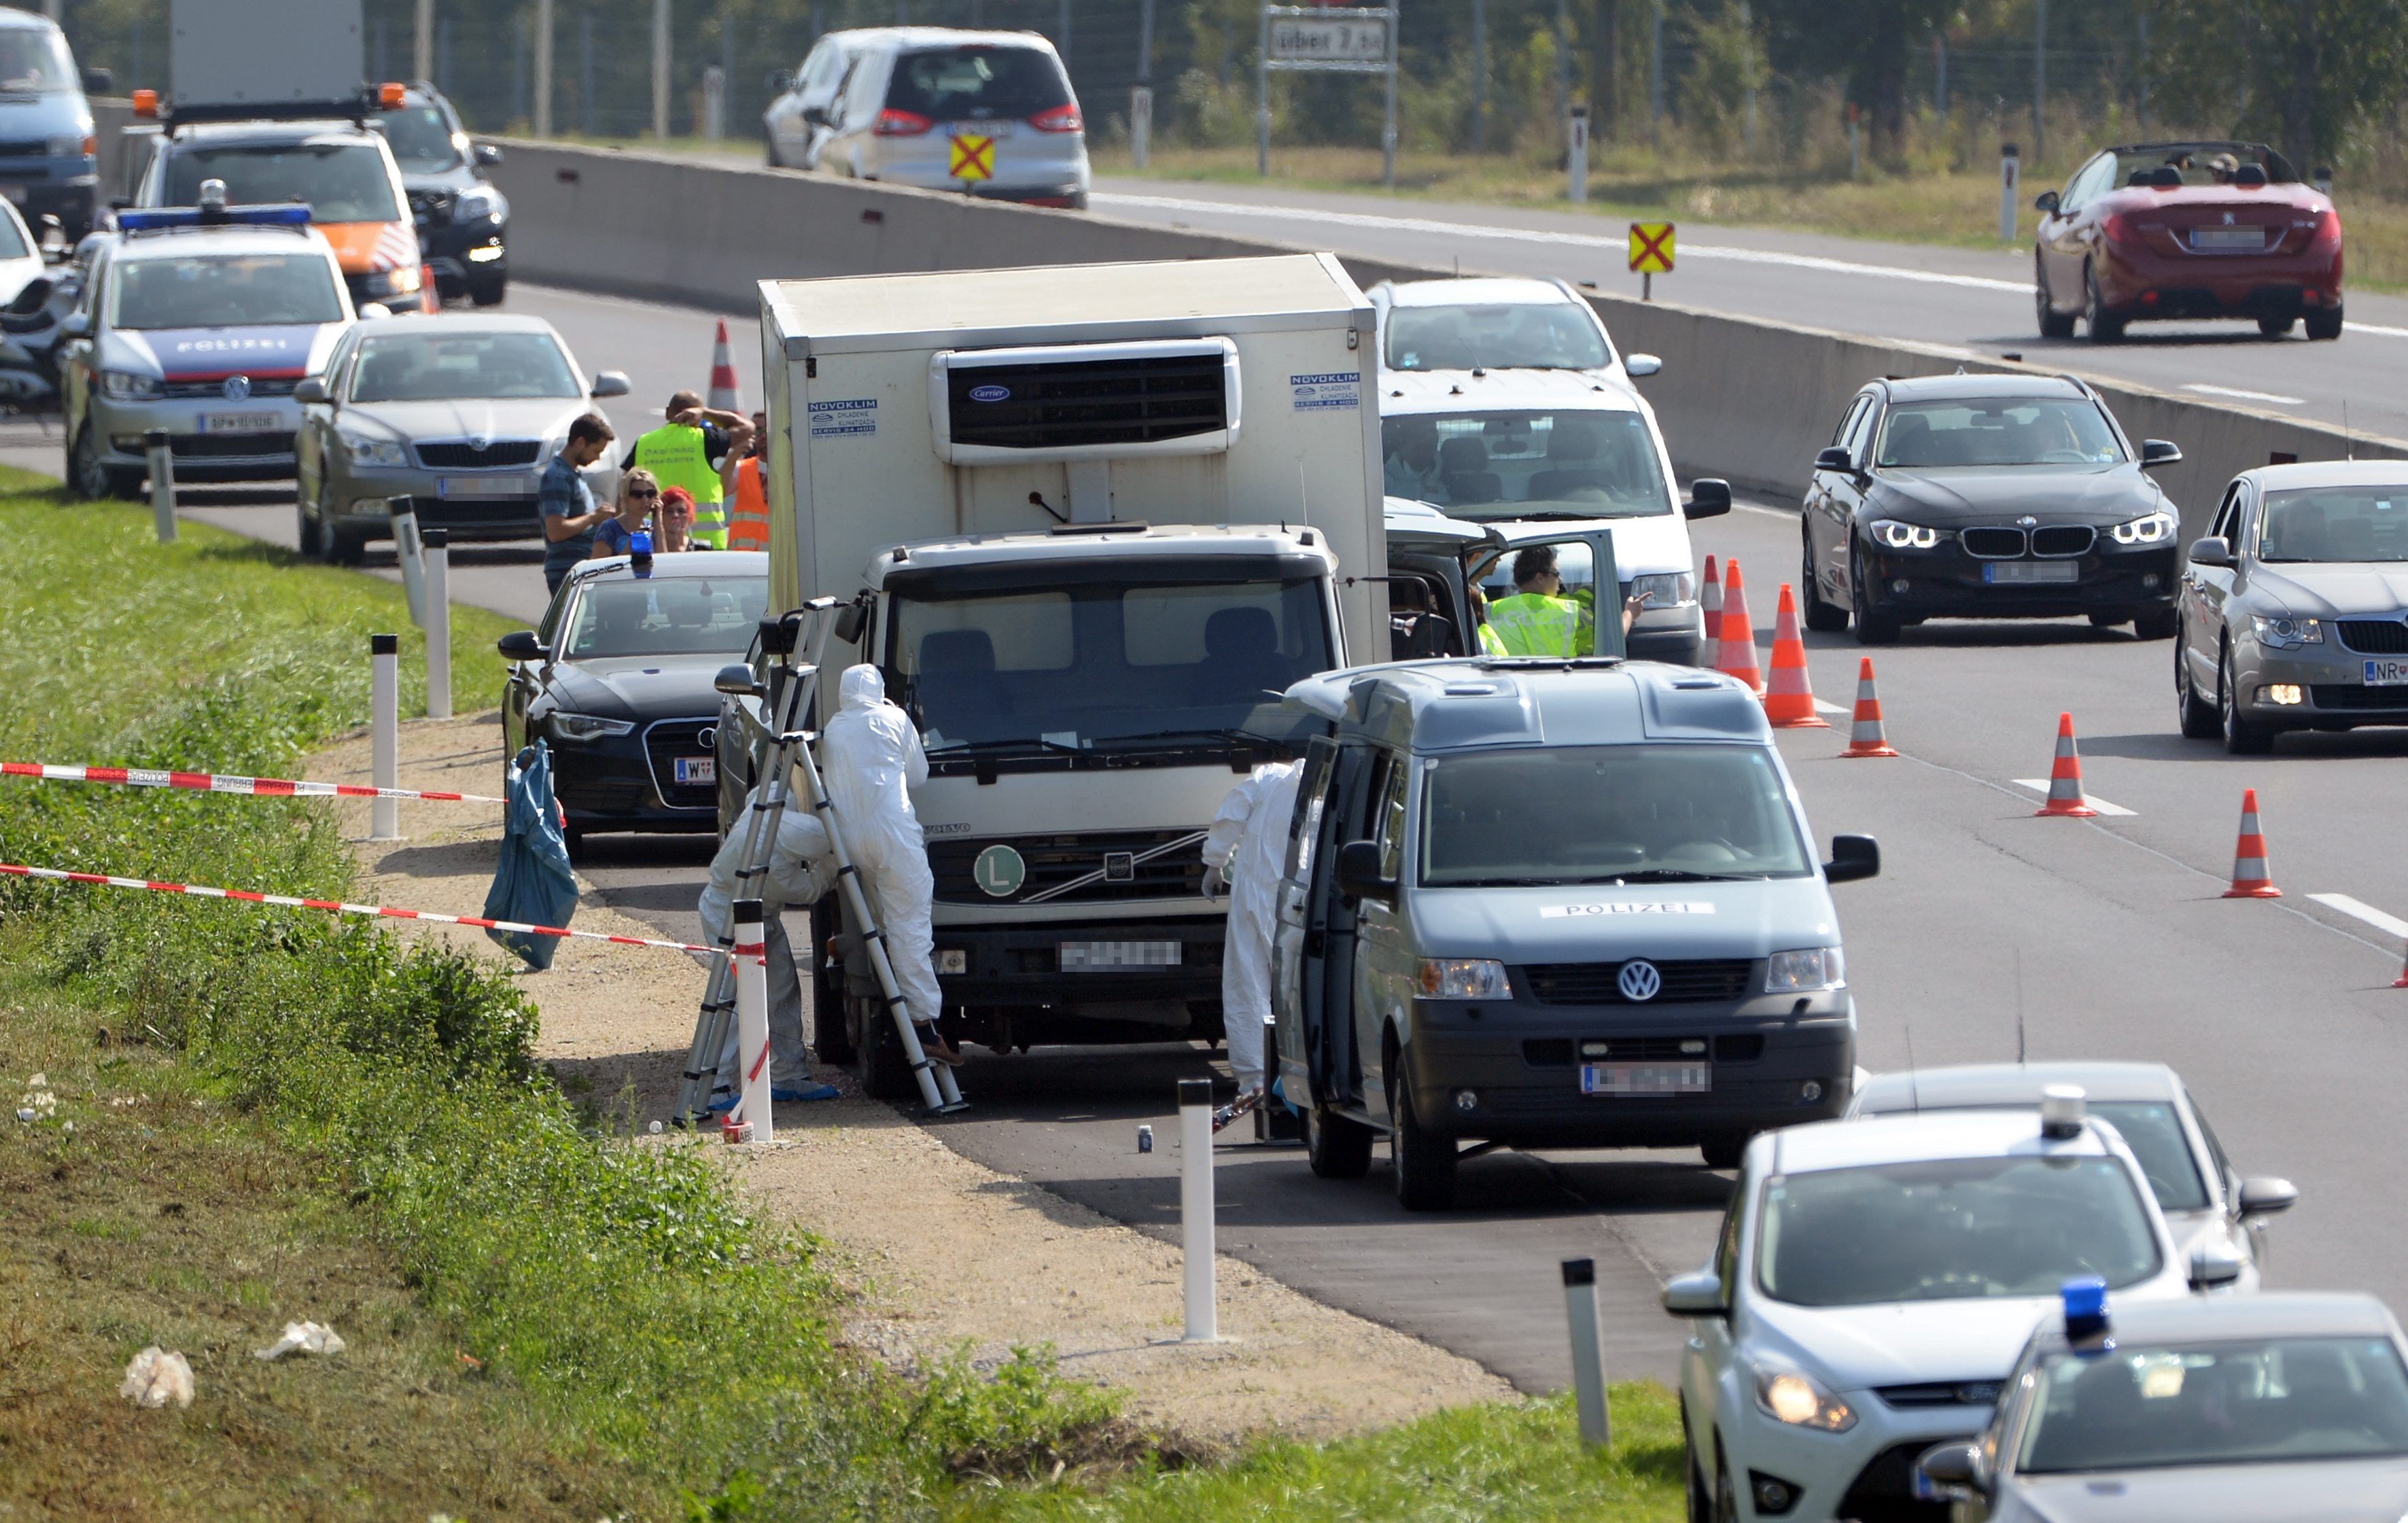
[
  {"x": 801, "y": 869},
  {"x": 1248, "y": 847},
  {"x": 869, "y": 754}
]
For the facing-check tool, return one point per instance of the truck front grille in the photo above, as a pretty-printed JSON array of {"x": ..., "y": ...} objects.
[
  {"x": 1050, "y": 862},
  {"x": 1042, "y": 406}
]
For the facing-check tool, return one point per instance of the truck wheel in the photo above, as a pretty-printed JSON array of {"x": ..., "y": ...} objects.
[
  {"x": 1724, "y": 1152},
  {"x": 1425, "y": 1165},
  {"x": 878, "y": 1053},
  {"x": 831, "y": 1034},
  {"x": 1336, "y": 1146}
]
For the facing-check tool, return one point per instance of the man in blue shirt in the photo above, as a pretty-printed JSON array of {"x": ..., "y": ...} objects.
[{"x": 565, "y": 503}]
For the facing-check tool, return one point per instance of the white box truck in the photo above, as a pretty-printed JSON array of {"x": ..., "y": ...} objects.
[{"x": 1096, "y": 520}]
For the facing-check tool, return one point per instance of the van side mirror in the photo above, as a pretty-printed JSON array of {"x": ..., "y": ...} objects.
[
  {"x": 489, "y": 153},
  {"x": 76, "y": 325},
  {"x": 2266, "y": 1197},
  {"x": 309, "y": 389},
  {"x": 1694, "y": 1295},
  {"x": 2160, "y": 451},
  {"x": 2211, "y": 1269},
  {"x": 1853, "y": 857},
  {"x": 736, "y": 679},
  {"x": 1358, "y": 873},
  {"x": 2216, "y": 550},
  {"x": 1709, "y": 496},
  {"x": 1836, "y": 458},
  {"x": 99, "y": 81},
  {"x": 1639, "y": 366},
  {"x": 522, "y": 645},
  {"x": 608, "y": 384},
  {"x": 1954, "y": 1465},
  {"x": 2045, "y": 201}
]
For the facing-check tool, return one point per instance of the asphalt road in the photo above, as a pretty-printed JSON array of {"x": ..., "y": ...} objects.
[{"x": 2102, "y": 938}]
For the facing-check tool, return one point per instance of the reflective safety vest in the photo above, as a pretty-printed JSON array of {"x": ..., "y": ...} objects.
[
  {"x": 1533, "y": 624},
  {"x": 1489, "y": 643},
  {"x": 673, "y": 453},
  {"x": 748, "y": 525}
]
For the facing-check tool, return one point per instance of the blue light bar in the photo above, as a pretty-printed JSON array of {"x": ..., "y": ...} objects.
[
  {"x": 2086, "y": 1307},
  {"x": 291, "y": 214}
]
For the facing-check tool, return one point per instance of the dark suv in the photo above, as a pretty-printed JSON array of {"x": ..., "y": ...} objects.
[{"x": 463, "y": 220}]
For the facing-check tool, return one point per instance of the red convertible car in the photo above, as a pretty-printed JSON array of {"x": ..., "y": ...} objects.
[{"x": 2187, "y": 230}]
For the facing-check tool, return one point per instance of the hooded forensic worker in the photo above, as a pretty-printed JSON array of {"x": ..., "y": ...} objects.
[
  {"x": 871, "y": 755},
  {"x": 801, "y": 869},
  {"x": 1245, "y": 849}
]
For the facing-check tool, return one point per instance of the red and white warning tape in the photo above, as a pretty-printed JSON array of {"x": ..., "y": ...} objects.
[
  {"x": 267, "y": 787},
  {"x": 101, "y": 880}
]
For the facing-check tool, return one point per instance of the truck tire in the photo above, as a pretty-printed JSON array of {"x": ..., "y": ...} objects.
[
  {"x": 831, "y": 1036},
  {"x": 878, "y": 1051},
  {"x": 1425, "y": 1165},
  {"x": 1336, "y": 1146}
]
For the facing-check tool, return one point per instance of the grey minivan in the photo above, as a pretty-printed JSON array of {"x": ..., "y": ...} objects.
[
  {"x": 986, "y": 113},
  {"x": 1549, "y": 903}
]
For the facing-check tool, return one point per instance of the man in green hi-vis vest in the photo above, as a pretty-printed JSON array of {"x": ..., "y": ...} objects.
[{"x": 686, "y": 451}]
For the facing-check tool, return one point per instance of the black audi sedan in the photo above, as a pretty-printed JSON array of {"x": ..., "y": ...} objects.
[
  {"x": 617, "y": 681},
  {"x": 1986, "y": 496}
]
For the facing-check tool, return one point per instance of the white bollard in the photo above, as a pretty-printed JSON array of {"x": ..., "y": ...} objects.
[
  {"x": 163, "y": 483},
  {"x": 1588, "y": 1359},
  {"x": 2010, "y": 179},
  {"x": 1140, "y": 125},
  {"x": 409, "y": 552},
  {"x": 750, "y": 1122},
  {"x": 1196, "y": 1207},
  {"x": 1576, "y": 157},
  {"x": 437, "y": 547},
  {"x": 384, "y": 718}
]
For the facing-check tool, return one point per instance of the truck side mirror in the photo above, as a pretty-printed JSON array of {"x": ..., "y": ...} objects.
[
  {"x": 736, "y": 679},
  {"x": 1709, "y": 496},
  {"x": 1359, "y": 875},
  {"x": 849, "y": 619},
  {"x": 1852, "y": 857},
  {"x": 522, "y": 645}
]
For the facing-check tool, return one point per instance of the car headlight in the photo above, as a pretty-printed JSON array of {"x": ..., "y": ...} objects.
[
  {"x": 65, "y": 145},
  {"x": 1805, "y": 970},
  {"x": 375, "y": 452},
  {"x": 394, "y": 283},
  {"x": 2148, "y": 529},
  {"x": 1793, "y": 1396},
  {"x": 570, "y": 727},
  {"x": 477, "y": 201},
  {"x": 1671, "y": 590},
  {"x": 1897, "y": 536},
  {"x": 1464, "y": 978},
  {"x": 2287, "y": 634},
  {"x": 127, "y": 386}
]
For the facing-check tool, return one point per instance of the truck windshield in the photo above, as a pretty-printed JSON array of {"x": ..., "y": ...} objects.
[
  {"x": 1108, "y": 666},
  {"x": 341, "y": 182},
  {"x": 1601, "y": 814},
  {"x": 228, "y": 290},
  {"x": 1595, "y": 463}
]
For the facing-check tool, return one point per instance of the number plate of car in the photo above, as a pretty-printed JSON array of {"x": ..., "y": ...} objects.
[
  {"x": 696, "y": 770},
  {"x": 483, "y": 486},
  {"x": 1994, "y": 572},
  {"x": 2386, "y": 674},
  {"x": 1113, "y": 957},
  {"x": 239, "y": 423},
  {"x": 2228, "y": 239},
  {"x": 1646, "y": 1078},
  {"x": 998, "y": 130}
]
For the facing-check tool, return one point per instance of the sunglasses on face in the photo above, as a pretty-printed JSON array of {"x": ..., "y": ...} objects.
[{"x": 644, "y": 491}]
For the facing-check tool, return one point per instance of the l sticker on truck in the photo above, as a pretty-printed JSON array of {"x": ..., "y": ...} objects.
[
  {"x": 1340, "y": 389},
  {"x": 1626, "y": 907},
  {"x": 835, "y": 420}
]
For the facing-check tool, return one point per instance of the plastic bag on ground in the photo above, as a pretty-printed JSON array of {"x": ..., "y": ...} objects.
[
  {"x": 534, "y": 884},
  {"x": 157, "y": 1377},
  {"x": 302, "y": 1338}
]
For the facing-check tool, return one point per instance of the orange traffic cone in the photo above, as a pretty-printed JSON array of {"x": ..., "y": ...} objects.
[
  {"x": 2250, "y": 878},
  {"x": 2065, "y": 776},
  {"x": 2401, "y": 981},
  {"x": 1710, "y": 599},
  {"x": 430, "y": 295},
  {"x": 1789, "y": 698},
  {"x": 1736, "y": 654},
  {"x": 1867, "y": 739},
  {"x": 723, "y": 375}
]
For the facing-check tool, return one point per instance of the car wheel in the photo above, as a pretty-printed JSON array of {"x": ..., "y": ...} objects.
[
  {"x": 1336, "y": 1146},
  {"x": 878, "y": 1051},
  {"x": 2156, "y": 623},
  {"x": 1726, "y": 1495},
  {"x": 1723, "y": 1152},
  {"x": 2053, "y": 324},
  {"x": 489, "y": 293},
  {"x": 2242, "y": 735},
  {"x": 307, "y": 536},
  {"x": 2105, "y": 329},
  {"x": 2107, "y": 620},
  {"x": 2324, "y": 322},
  {"x": 2276, "y": 327},
  {"x": 1822, "y": 617},
  {"x": 1874, "y": 627},
  {"x": 95, "y": 477},
  {"x": 2197, "y": 717},
  {"x": 769, "y": 148},
  {"x": 1425, "y": 1165},
  {"x": 1701, "y": 1507},
  {"x": 575, "y": 842}
]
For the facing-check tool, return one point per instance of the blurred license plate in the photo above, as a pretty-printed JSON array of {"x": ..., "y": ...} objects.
[
  {"x": 483, "y": 486},
  {"x": 1998, "y": 571},
  {"x": 2386, "y": 674},
  {"x": 1108, "y": 956},
  {"x": 998, "y": 130},
  {"x": 239, "y": 423},
  {"x": 694, "y": 770},
  {"x": 1646, "y": 1078},
  {"x": 2228, "y": 239}
]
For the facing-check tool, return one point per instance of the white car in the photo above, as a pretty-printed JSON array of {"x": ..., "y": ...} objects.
[
  {"x": 988, "y": 114},
  {"x": 1872, "y": 1284},
  {"x": 2206, "y": 1201},
  {"x": 796, "y": 122},
  {"x": 1498, "y": 323}
]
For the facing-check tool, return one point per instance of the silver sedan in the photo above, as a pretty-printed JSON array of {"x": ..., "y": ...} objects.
[{"x": 454, "y": 417}]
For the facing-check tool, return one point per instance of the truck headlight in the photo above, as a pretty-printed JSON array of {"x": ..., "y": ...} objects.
[
  {"x": 1464, "y": 978},
  {"x": 1797, "y": 1399},
  {"x": 1897, "y": 536},
  {"x": 1804, "y": 970},
  {"x": 569, "y": 726},
  {"x": 375, "y": 452},
  {"x": 2285, "y": 633},
  {"x": 2148, "y": 529},
  {"x": 128, "y": 386},
  {"x": 1671, "y": 590}
]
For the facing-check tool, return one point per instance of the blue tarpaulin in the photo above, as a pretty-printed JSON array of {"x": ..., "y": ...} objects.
[{"x": 534, "y": 885}]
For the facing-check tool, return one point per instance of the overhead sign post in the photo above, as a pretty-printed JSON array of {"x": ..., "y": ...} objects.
[
  {"x": 1651, "y": 250},
  {"x": 1328, "y": 39}
]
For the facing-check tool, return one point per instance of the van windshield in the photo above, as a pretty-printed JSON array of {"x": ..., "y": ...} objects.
[
  {"x": 339, "y": 183},
  {"x": 1513, "y": 335},
  {"x": 33, "y": 61},
  {"x": 1602, "y": 815},
  {"x": 1108, "y": 667},
  {"x": 1590, "y": 463}
]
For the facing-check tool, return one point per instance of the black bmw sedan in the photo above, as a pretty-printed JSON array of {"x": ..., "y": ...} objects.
[
  {"x": 618, "y": 682},
  {"x": 1986, "y": 496}
]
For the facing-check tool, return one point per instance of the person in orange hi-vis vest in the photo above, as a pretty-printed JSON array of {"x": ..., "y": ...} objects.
[{"x": 747, "y": 524}]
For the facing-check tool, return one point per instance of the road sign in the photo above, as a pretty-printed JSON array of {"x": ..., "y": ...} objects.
[
  {"x": 1325, "y": 38},
  {"x": 1333, "y": 37},
  {"x": 1651, "y": 247},
  {"x": 973, "y": 158}
]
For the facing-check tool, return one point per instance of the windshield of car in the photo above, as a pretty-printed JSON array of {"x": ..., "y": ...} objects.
[
  {"x": 1592, "y": 463},
  {"x": 2152, "y": 1130},
  {"x": 1519, "y": 336},
  {"x": 2260, "y": 1402},
  {"x": 2007, "y": 431},
  {"x": 33, "y": 61},
  {"x": 2199, "y": 164},
  {"x": 341, "y": 182},
  {"x": 224, "y": 291},
  {"x": 977, "y": 81},
  {"x": 667, "y": 616},
  {"x": 1109, "y": 666},
  {"x": 442, "y": 367},
  {"x": 1598, "y": 814},
  {"x": 1952, "y": 1229},
  {"x": 420, "y": 138},
  {"x": 2345, "y": 523}
]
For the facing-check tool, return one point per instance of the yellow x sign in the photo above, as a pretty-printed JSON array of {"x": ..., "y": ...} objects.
[
  {"x": 973, "y": 158},
  {"x": 1651, "y": 247}
]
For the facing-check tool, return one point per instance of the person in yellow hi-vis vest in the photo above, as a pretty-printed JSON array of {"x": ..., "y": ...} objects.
[
  {"x": 747, "y": 493},
  {"x": 1539, "y": 619},
  {"x": 687, "y": 450}
]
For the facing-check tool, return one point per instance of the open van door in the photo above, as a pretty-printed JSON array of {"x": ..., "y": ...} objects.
[{"x": 1584, "y": 559}]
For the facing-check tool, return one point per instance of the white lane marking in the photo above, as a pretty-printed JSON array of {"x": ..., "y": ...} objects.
[
  {"x": 1790, "y": 513},
  {"x": 1822, "y": 708},
  {"x": 1688, "y": 249},
  {"x": 2376, "y": 329},
  {"x": 2361, "y": 910},
  {"x": 2040, "y": 785},
  {"x": 2204, "y": 388}
]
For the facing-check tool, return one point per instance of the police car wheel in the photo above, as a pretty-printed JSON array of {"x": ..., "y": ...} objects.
[
  {"x": 1335, "y": 1146},
  {"x": 95, "y": 477}
]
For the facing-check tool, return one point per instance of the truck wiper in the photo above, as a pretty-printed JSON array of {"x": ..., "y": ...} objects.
[
  {"x": 1225, "y": 733},
  {"x": 971, "y": 748},
  {"x": 1682, "y": 875}
]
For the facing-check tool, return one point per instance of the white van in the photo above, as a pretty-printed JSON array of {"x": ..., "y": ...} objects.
[{"x": 989, "y": 114}]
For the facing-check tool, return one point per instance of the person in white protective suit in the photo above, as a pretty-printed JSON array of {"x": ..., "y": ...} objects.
[
  {"x": 1246, "y": 850},
  {"x": 801, "y": 869},
  {"x": 870, "y": 757}
]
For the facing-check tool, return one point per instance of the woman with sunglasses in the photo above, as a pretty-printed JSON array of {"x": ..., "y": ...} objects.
[{"x": 639, "y": 494}]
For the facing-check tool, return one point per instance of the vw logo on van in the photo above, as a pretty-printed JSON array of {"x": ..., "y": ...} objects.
[
  {"x": 989, "y": 393},
  {"x": 235, "y": 388},
  {"x": 1639, "y": 981}
]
